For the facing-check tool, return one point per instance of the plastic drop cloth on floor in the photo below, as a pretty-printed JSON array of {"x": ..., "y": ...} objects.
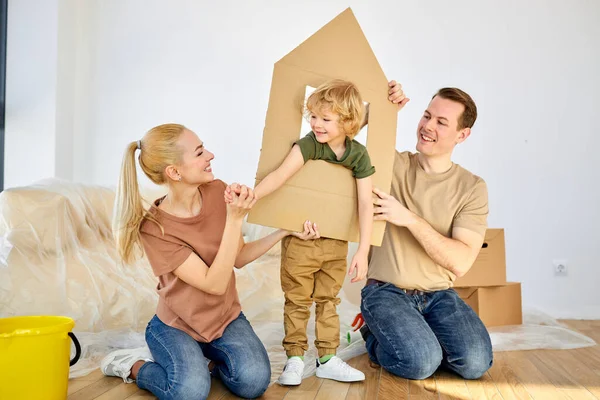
[{"x": 58, "y": 257}]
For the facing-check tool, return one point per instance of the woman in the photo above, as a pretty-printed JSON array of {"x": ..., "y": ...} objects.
[{"x": 192, "y": 240}]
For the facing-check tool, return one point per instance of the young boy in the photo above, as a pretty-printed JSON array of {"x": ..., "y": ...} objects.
[{"x": 315, "y": 270}]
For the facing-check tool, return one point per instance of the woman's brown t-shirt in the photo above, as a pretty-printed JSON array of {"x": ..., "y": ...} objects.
[{"x": 202, "y": 315}]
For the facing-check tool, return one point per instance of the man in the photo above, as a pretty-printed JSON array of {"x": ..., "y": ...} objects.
[{"x": 437, "y": 218}]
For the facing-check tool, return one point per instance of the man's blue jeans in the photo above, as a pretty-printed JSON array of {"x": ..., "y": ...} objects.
[
  {"x": 412, "y": 335},
  {"x": 180, "y": 367}
]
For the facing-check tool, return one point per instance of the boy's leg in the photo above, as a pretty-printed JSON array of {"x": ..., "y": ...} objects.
[
  {"x": 467, "y": 349},
  {"x": 397, "y": 336},
  {"x": 328, "y": 282},
  {"x": 299, "y": 262},
  {"x": 241, "y": 360}
]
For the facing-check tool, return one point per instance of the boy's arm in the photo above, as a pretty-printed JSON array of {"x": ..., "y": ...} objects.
[
  {"x": 365, "y": 212},
  {"x": 365, "y": 220},
  {"x": 292, "y": 163}
]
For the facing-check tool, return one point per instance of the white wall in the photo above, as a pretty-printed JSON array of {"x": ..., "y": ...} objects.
[
  {"x": 40, "y": 90},
  {"x": 66, "y": 73},
  {"x": 30, "y": 91},
  {"x": 531, "y": 66}
]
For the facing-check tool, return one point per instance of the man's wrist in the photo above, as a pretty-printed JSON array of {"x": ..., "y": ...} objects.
[{"x": 415, "y": 222}]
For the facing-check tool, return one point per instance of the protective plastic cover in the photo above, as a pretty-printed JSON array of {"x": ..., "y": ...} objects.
[{"x": 57, "y": 257}]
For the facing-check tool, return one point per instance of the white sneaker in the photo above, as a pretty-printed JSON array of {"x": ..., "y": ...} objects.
[
  {"x": 338, "y": 370},
  {"x": 292, "y": 372},
  {"x": 119, "y": 362}
]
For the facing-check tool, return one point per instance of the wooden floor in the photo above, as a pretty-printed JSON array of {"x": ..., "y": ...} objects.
[{"x": 538, "y": 374}]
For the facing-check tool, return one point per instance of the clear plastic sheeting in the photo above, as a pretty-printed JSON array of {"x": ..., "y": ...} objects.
[
  {"x": 96, "y": 345},
  {"x": 539, "y": 331},
  {"x": 58, "y": 257}
]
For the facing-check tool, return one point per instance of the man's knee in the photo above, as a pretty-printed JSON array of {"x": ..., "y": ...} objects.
[
  {"x": 473, "y": 364},
  {"x": 418, "y": 364}
]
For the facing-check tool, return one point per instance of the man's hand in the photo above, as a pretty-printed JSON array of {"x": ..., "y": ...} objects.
[
  {"x": 396, "y": 95},
  {"x": 387, "y": 208},
  {"x": 360, "y": 263},
  {"x": 310, "y": 232}
]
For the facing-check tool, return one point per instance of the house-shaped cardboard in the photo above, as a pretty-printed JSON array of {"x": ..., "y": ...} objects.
[{"x": 323, "y": 192}]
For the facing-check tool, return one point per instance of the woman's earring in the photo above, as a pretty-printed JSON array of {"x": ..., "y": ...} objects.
[{"x": 179, "y": 178}]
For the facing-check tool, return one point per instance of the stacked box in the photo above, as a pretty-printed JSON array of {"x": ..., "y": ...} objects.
[{"x": 485, "y": 289}]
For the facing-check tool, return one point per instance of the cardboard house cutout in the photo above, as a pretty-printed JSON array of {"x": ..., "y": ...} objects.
[{"x": 323, "y": 192}]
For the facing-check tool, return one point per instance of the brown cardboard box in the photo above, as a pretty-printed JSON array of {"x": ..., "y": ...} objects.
[
  {"x": 321, "y": 191},
  {"x": 495, "y": 305},
  {"x": 489, "y": 269}
]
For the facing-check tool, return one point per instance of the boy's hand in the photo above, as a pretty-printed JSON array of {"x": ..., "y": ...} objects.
[
  {"x": 240, "y": 205},
  {"x": 310, "y": 231},
  {"x": 360, "y": 263},
  {"x": 230, "y": 190},
  {"x": 396, "y": 95}
]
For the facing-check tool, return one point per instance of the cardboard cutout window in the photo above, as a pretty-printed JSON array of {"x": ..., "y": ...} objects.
[{"x": 321, "y": 191}]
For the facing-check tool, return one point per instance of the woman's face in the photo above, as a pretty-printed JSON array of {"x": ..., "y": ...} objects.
[{"x": 195, "y": 168}]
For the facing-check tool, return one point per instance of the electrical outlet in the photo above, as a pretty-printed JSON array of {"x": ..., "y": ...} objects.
[{"x": 560, "y": 267}]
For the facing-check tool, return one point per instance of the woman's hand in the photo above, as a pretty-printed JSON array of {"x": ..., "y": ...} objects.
[
  {"x": 233, "y": 188},
  {"x": 310, "y": 232},
  {"x": 240, "y": 203}
]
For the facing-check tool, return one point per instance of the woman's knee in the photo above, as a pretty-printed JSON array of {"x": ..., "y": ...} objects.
[
  {"x": 251, "y": 382},
  {"x": 189, "y": 388}
]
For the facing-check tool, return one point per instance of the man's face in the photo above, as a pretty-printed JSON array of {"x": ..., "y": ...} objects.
[{"x": 437, "y": 133}]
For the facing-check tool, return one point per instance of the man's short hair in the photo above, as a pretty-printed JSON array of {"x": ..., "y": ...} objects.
[{"x": 469, "y": 115}]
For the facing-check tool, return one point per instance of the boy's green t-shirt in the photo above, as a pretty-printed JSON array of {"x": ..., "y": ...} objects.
[{"x": 355, "y": 158}]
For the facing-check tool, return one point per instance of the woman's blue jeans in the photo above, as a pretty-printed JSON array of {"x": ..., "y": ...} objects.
[{"x": 180, "y": 367}]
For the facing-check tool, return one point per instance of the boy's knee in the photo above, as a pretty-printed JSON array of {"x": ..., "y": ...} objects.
[{"x": 326, "y": 301}]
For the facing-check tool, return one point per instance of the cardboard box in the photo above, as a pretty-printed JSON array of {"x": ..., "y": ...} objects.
[
  {"x": 495, "y": 305},
  {"x": 489, "y": 269},
  {"x": 323, "y": 192}
]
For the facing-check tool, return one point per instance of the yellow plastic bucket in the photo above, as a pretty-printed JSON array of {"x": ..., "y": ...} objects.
[{"x": 34, "y": 357}]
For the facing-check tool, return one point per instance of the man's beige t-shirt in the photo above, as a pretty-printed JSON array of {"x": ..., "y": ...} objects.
[
  {"x": 202, "y": 315},
  {"x": 455, "y": 198}
]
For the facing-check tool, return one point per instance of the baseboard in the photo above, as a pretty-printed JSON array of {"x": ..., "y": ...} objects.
[{"x": 574, "y": 312}]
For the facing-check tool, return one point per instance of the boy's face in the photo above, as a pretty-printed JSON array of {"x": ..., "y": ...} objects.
[
  {"x": 437, "y": 133},
  {"x": 325, "y": 125}
]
